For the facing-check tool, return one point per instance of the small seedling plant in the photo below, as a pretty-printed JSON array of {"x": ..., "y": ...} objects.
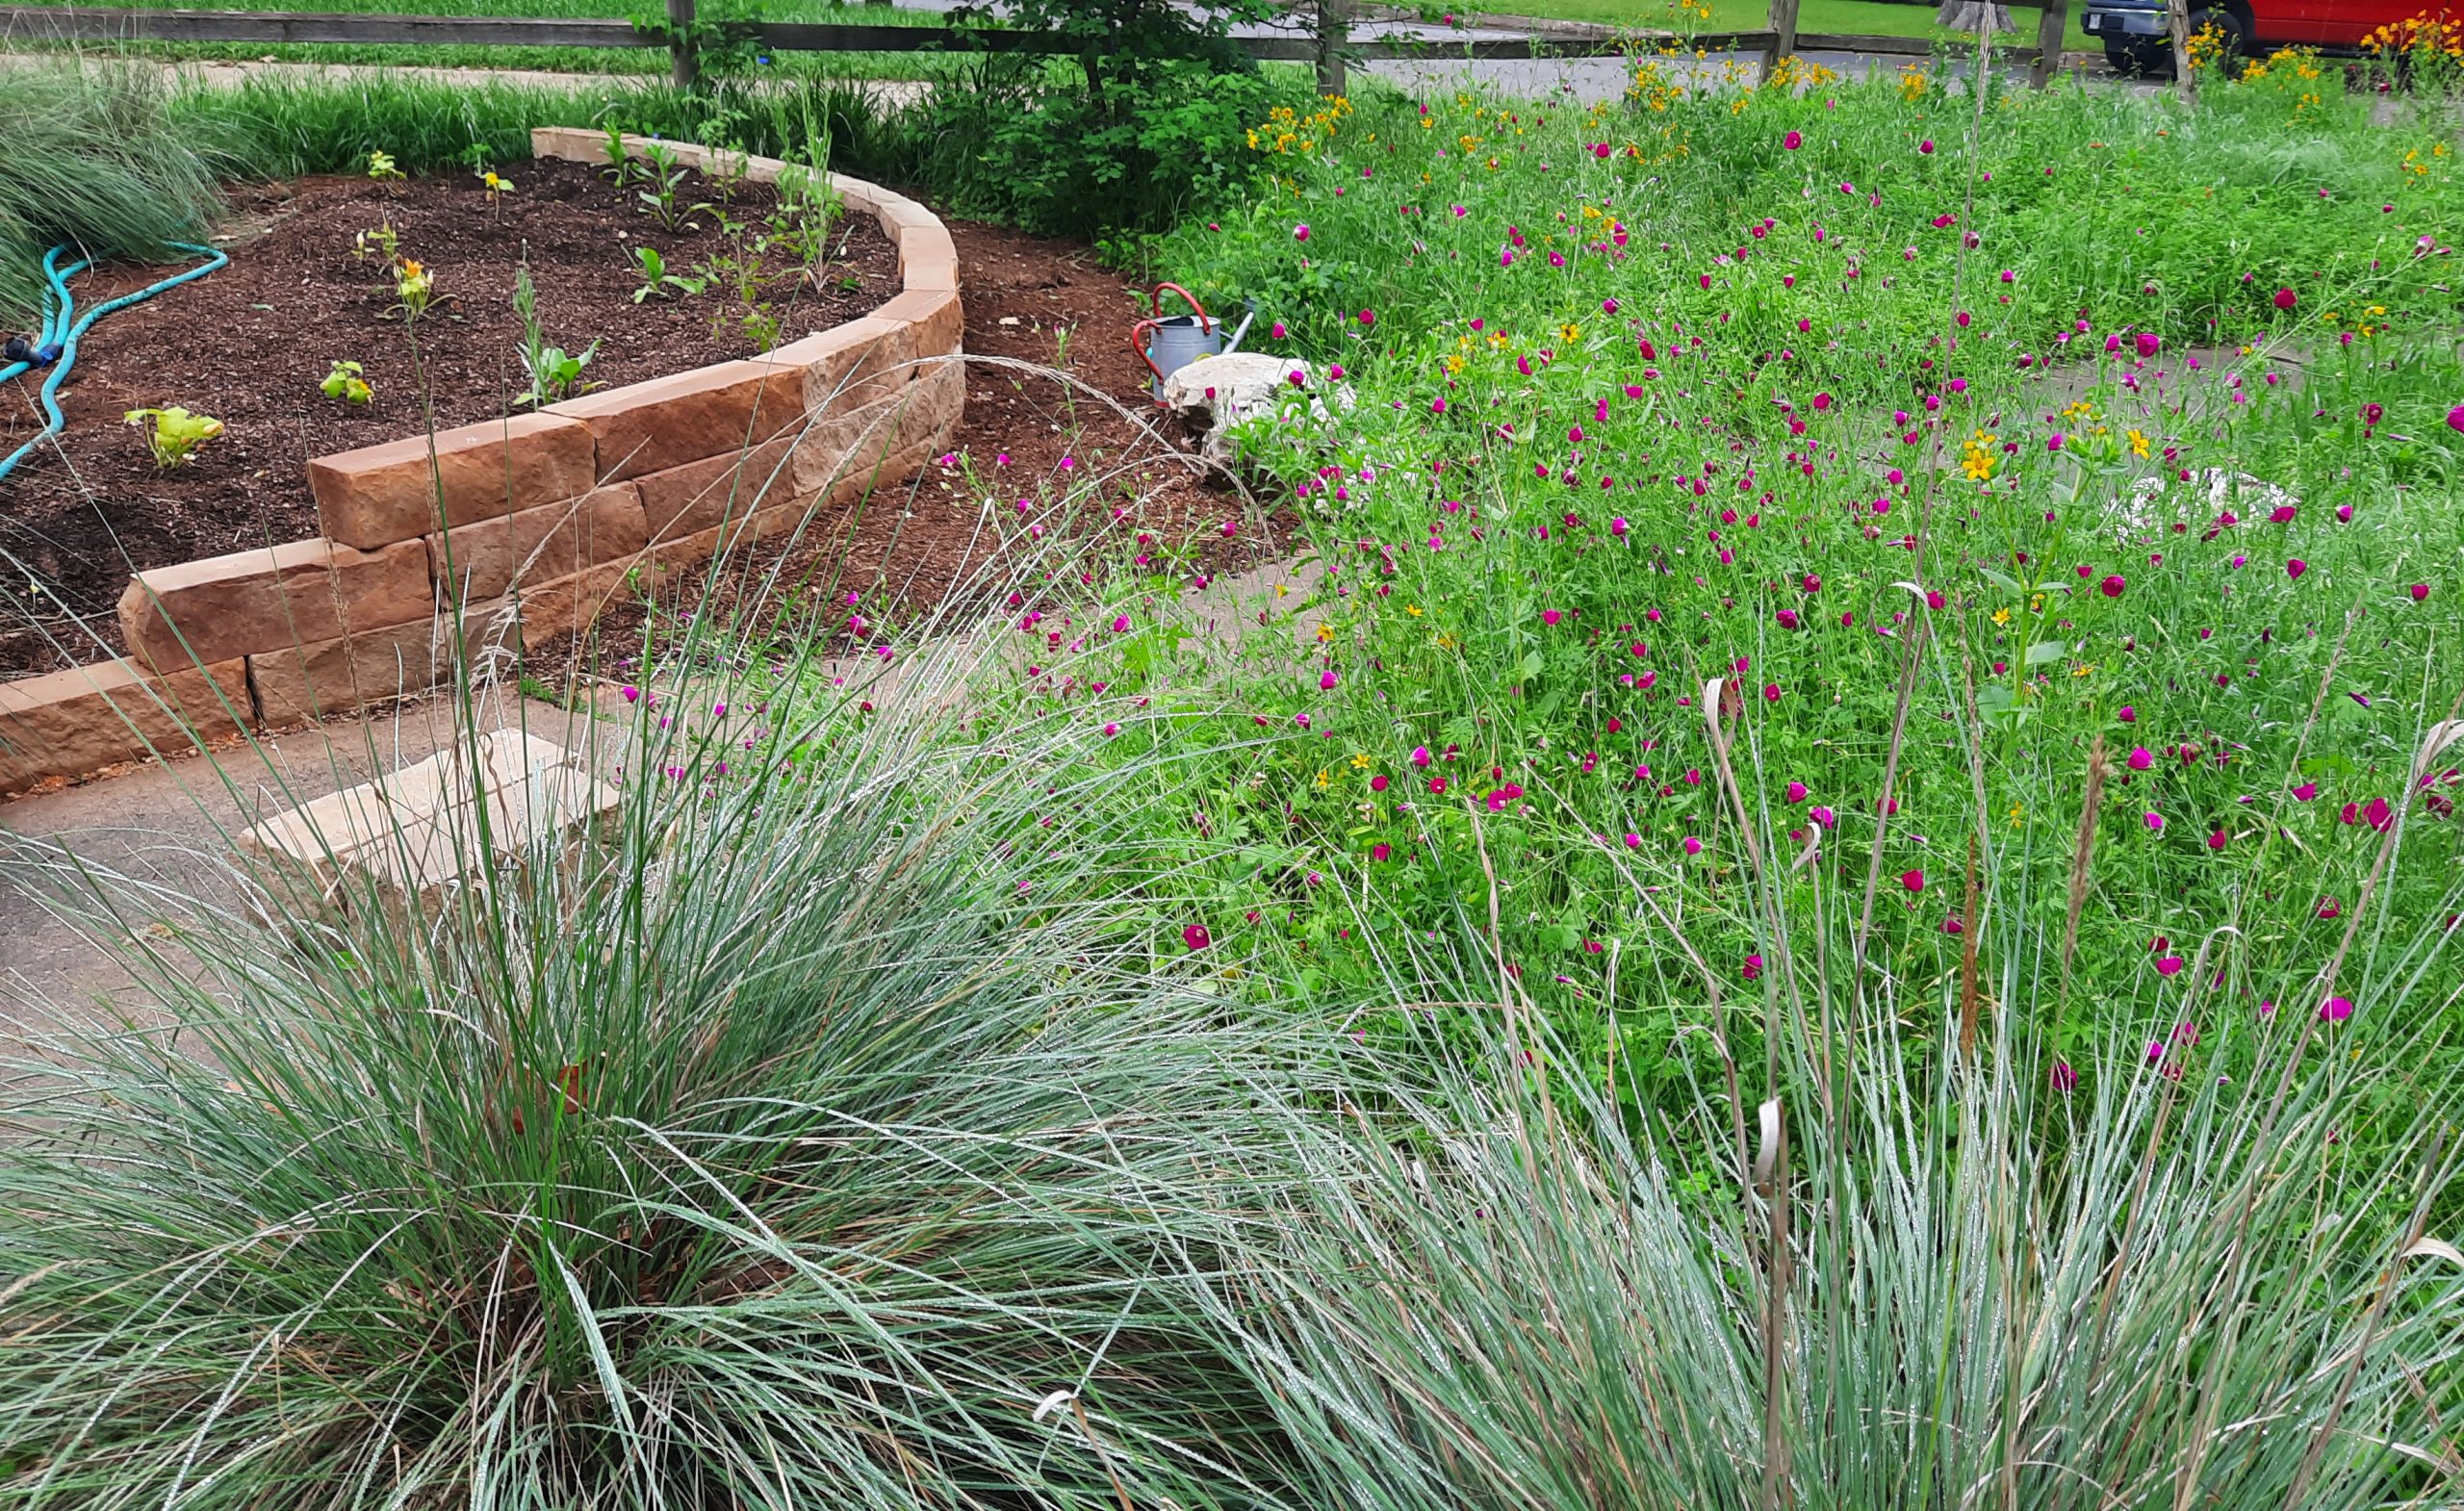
[
  {"x": 656, "y": 281},
  {"x": 799, "y": 226},
  {"x": 555, "y": 372},
  {"x": 414, "y": 285},
  {"x": 620, "y": 158},
  {"x": 174, "y": 434},
  {"x": 495, "y": 186},
  {"x": 664, "y": 197},
  {"x": 742, "y": 268},
  {"x": 347, "y": 381}
]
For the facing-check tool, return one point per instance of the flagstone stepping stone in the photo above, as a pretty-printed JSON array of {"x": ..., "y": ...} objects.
[{"x": 408, "y": 839}]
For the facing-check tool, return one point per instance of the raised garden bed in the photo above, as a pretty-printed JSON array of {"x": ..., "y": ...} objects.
[
  {"x": 473, "y": 538},
  {"x": 251, "y": 345}
]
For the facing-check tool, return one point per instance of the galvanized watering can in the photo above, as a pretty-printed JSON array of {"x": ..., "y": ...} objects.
[{"x": 1170, "y": 343}]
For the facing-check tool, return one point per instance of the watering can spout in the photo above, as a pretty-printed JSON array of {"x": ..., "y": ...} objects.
[{"x": 1240, "y": 331}]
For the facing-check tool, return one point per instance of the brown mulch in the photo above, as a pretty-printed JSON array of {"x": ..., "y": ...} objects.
[
  {"x": 1036, "y": 300},
  {"x": 249, "y": 344}
]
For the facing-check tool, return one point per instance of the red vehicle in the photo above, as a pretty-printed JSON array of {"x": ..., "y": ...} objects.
[{"x": 2137, "y": 41}]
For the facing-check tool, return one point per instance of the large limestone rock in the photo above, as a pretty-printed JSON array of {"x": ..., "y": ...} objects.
[
  {"x": 2207, "y": 499},
  {"x": 1214, "y": 394}
]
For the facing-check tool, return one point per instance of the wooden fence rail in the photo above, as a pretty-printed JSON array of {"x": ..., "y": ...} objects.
[{"x": 1328, "y": 44}]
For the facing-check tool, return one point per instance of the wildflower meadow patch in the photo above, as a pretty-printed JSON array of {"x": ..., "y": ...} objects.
[{"x": 2046, "y": 503}]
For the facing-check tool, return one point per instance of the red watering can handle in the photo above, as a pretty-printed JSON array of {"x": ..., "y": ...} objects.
[
  {"x": 1140, "y": 346},
  {"x": 1205, "y": 322}
]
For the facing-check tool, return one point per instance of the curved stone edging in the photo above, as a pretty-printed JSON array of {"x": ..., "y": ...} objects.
[{"x": 529, "y": 523}]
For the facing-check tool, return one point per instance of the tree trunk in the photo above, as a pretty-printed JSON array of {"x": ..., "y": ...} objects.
[
  {"x": 1975, "y": 15},
  {"x": 685, "y": 65},
  {"x": 2177, "y": 20}
]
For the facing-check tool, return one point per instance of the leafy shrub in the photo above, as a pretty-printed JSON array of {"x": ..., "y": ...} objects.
[{"x": 1004, "y": 144}]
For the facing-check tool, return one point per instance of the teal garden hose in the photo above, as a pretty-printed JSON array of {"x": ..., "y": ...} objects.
[{"x": 55, "y": 346}]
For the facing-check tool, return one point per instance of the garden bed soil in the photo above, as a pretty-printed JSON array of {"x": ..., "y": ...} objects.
[
  {"x": 1036, "y": 300},
  {"x": 250, "y": 342}
]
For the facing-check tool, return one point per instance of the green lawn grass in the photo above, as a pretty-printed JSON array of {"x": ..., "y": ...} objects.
[{"x": 557, "y": 60}]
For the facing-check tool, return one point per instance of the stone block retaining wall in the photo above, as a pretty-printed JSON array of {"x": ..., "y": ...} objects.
[{"x": 531, "y": 523}]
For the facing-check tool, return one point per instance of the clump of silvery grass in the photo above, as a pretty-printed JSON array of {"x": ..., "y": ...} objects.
[
  {"x": 824, "y": 1129},
  {"x": 94, "y": 163},
  {"x": 2210, "y": 1264}
]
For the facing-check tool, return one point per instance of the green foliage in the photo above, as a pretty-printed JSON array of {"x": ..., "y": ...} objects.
[
  {"x": 784, "y": 1146},
  {"x": 1011, "y": 141},
  {"x": 174, "y": 434},
  {"x": 271, "y": 126},
  {"x": 554, "y": 374},
  {"x": 657, "y": 168},
  {"x": 1645, "y": 399},
  {"x": 720, "y": 34},
  {"x": 347, "y": 382},
  {"x": 94, "y": 157},
  {"x": 2143, "y": 1291},
  {"x": 656, "y": 280}
]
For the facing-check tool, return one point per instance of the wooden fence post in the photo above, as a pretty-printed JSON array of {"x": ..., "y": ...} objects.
[
  {"x": 2051, "y": 29},
  {"x": 684, "y": 65},
  {"x": 1333, "y": 32},
  {"x": 1784, "y": 36}
]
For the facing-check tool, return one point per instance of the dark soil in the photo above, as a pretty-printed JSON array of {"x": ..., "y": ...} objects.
[
  {"x": 250, "y": 342},
  {"x": 1036, "y": 300}
]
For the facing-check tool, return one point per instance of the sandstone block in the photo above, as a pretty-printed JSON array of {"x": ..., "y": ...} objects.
[
  {"x": 481, "y": 560},
  {"x": 936, "y": 319},
  {"x": 701, "y": 494},
  {"x": 920, "y": 417},
  {"x": 848, "y": 364},
  {"x": 570, "y": 606},
  {"x": 66, "y": 724},
  {"x": 570, "y": 142},
  {"x": 404, "y": 841},
  {"x": 881, "y": 477},
  {"x": 382, "y": 493},
  {"x": 373, "y": 666},
  {"x": 224, "y": 607},
  {"x": 666, "y": 422},
  {"x": 931, "y": 273},
  {"x": 901, "y": 215}
]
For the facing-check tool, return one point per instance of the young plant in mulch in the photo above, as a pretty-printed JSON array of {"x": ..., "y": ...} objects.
[
  {"x": 347, "y": 381},
  {"x": 555, "y": 372},
  {"x": 656, "y": 281},
  {"x": 174, "y": 434}
]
